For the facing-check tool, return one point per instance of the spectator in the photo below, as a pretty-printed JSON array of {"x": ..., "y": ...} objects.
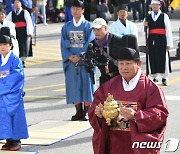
[
  {"x": 41, "y": 8},
  {"x": 75, "y": 37},
  {"x": 99, "y": 2},
  {"x": 87, "y": 9},
  {"x": 142, "y": 110},
  {"x": 68, "y": 13},
  {"x": 136, "y": 7}
]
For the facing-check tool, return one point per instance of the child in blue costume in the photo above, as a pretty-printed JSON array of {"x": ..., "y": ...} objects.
[{"x": 12, "y": 116}]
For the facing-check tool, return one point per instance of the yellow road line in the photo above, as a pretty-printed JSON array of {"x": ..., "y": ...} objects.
[
  {"x": 39, "y": 62},
  {"x": 62, "y": 89},
  {"x": 46, "y": 58},
  {"x": 47, "y": 53},
  {"x": 173, "y": 81},
  {"x": 46, "y": 48},
  {"x": 43, "y": 87},
  {"x": 177, "y": 64}
]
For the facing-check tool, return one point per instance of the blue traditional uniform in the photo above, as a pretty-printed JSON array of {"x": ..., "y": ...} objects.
[
  {"x": 12, "y": 116},
  {"x": 79, "y": 87}
]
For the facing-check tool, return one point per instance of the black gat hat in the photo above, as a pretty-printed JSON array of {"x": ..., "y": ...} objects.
[
  {"x": 130, "y": 41},
  {"x": 78, "y": 3},
  {"x": 122, "y": 7},
  {"x": 5, "y": 36},
  {"x": 128, "y": 54}
]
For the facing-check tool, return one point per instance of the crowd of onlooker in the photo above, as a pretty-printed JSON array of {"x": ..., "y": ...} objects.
[{"x": 60, "y": 10}]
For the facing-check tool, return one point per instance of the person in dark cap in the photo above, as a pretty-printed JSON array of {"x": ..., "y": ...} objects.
[
  {"x": 75, "y": 37},
  {"x": 13, "y": 124},
  {"x": 139, "y": 105},
  {"x": 24, "y": 29},
  {"x": 159, "y": 42},
  {"x": 122, "y": 26},
  {"x": 115, "y": 4}
]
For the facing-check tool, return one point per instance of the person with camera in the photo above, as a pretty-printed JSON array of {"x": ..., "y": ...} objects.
[
  {"x": 75, "y": 37},
  {"x": 104, "y": 47}
]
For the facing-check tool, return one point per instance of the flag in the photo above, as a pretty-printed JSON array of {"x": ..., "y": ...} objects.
[{"x": 175, "y": 3}]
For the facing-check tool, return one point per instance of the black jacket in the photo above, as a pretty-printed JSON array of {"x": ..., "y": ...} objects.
[{"x": 115, "y": 43}]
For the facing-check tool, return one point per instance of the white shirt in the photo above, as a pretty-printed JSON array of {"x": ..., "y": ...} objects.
[
  {"x": 5, "y": 59},
  {"x": 132, "y": 83},
  {"x": 79, "y": 22},
  {"x": 117, "y": 28},
  {"x": 167, "y": 26}
]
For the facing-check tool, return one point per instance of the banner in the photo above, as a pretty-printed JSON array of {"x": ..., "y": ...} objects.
[{"x": 175, "y": 3}]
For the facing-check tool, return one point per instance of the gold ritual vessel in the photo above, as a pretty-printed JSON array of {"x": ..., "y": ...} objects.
[{"x": 110, "y": 109}]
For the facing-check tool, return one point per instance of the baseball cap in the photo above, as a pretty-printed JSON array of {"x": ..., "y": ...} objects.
[{"x": 98, "y": 23}]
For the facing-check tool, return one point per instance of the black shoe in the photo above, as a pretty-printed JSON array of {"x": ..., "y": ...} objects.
[
  {"x": 12, "y": 145},
  {"x": 77, "y": 117},
  {"x": 155, "y": 80},
  {"x": 5, "y": 146},
  {"x": 79, "y": 113},
  {"x": 164, "y": 82}
]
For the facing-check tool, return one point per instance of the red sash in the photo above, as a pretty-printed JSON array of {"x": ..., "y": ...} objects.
[
  {"x": 158, "y": 31},
  {"x": 20, "y": 24}
]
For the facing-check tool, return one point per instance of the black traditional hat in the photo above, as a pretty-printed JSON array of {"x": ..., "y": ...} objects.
[
  {"x": 122, "y": 7},
  {"x": 78, "y": 3},
  {"x": 130, "y": 41},
  {"x": 5, "y": 36},
  {"x": 128, "y": 54}
]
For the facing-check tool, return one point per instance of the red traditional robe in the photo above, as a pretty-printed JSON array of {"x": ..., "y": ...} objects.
[{"x": 149, "y": 124}]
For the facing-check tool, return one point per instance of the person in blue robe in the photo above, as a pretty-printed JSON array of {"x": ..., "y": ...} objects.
[
  {"x": 12, "y": 114},
  {"x": 75, "y": 37}
]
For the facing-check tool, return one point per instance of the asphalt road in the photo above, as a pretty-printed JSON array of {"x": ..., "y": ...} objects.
[{"x": 45, "y": 91}]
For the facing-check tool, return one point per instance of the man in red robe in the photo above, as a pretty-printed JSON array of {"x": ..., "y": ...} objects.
[{"x": 143, "y": 111}]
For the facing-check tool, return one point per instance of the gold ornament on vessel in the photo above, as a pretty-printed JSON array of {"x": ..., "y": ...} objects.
[{"x": 110, "y": 109}]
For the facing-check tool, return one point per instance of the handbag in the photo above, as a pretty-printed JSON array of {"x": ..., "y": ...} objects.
[{"x": 104, "y": 12}]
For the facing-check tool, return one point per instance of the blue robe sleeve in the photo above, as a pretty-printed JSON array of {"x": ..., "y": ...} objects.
[
  {"x": 65, "y": 44},
  {"x": 11, "y": 87}
]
